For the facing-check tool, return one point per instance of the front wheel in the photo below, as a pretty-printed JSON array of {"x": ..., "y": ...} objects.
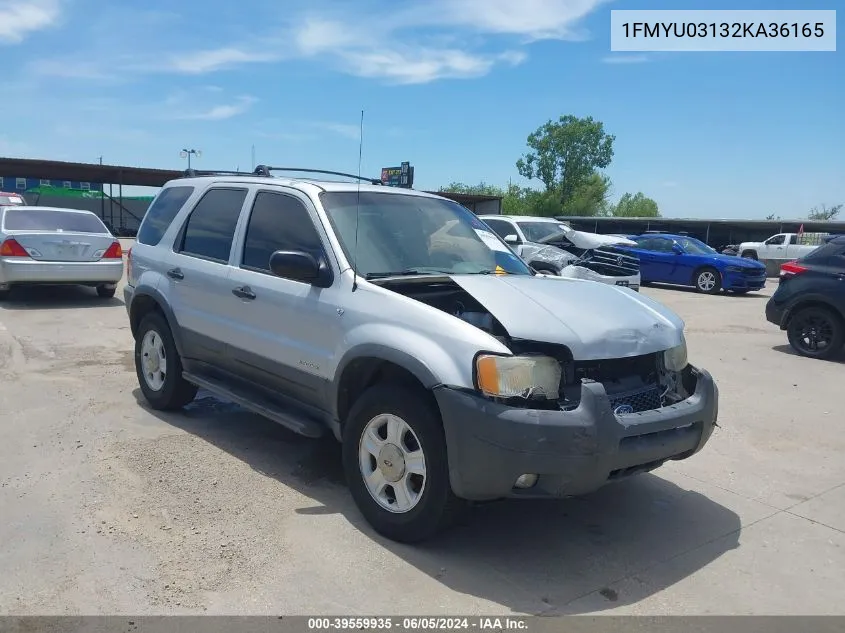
[
  {"x": 394, "y": 458},
  {"x": 815, "y": 333},
  {"x": 159, "y": 367},
  {"x": 708, "y": 281}
]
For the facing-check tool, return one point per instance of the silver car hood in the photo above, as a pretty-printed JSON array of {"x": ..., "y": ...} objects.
[{"x": 594, "y": 320}]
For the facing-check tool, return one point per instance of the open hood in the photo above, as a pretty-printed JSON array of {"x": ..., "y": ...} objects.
[
  {"x": 595, "y": 321},
  {"x": 586, "y": 241}
]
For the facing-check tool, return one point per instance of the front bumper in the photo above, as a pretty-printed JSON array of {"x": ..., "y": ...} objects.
[
  {"x": 574, "y": 271},
  {"x": 741, "y": 281},
  {"x": 572, "y": 452},
  {"x": 28, "y": 271}
]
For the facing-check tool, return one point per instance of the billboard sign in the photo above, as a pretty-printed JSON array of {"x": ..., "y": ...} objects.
[{"x": 402, "y": 176}]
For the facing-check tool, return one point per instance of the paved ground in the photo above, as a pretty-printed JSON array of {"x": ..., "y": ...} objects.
[{"x": 110, "y": 508}]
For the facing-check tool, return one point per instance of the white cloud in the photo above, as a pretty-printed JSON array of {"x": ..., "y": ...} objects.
[
  {"x": 625, "y": 59},
  {"x": 533, "y": 19},
  {"x": 391, "y": 46},
  {"x": 20, "y": 18},
  {"x": 206, "y": 61},
  {"x": 218, "y": 112},
  {"x": 346, "y": 130}
]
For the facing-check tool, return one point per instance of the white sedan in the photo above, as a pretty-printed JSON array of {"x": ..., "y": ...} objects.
[{"x": 45, "y": 245}]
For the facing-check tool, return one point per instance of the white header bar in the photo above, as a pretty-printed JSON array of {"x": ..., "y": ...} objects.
[{"x": 741, "y": 31}]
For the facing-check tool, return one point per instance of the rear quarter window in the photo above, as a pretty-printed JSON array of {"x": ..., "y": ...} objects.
[{"x": 161, "y": 213}]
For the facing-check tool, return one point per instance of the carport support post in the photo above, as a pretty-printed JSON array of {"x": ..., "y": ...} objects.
[{"x": 120, "y": 193}]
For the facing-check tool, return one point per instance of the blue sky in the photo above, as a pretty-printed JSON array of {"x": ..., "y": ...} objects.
[{"x": 454, "y": 86}]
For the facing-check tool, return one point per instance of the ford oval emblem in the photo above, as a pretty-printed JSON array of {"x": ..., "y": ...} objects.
[{"x": 623, "y": 409}]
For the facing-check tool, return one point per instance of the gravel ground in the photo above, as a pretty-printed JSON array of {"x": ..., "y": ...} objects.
[{"x": 108, "y": 507}]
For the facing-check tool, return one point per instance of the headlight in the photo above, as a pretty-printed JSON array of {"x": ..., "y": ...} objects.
[
  {"x": 517, "y": 376},
  {"x": 675, "y": 359},
  {"x": 735, "y": 269}
]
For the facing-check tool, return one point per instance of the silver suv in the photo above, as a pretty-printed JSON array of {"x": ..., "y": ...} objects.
[{"x": 399, "y": 322}]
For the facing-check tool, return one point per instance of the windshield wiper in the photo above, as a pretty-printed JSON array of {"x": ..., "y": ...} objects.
[{"x": 407, "y": 271}]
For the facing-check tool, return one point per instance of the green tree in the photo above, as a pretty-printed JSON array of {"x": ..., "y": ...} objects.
[
  {"x": 590, "y": 198},
  {"x": 481, "y": 189},
  {"x": 637, "y": 205},
  {"x": 565, "y": 154},
  {"x": 824, "y": 213}
]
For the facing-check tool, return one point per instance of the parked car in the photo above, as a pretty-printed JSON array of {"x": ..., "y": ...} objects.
[
  {"x": 686, "y": 261},
  {"x": 809, "y": 302},
  {"x": 553, "y": 247},
  {"x": 11, "y": 199},
  {"x": 46, "y": 245},
  {"x": 449, "y": 375},
  {"x": 786, "y": 246}
]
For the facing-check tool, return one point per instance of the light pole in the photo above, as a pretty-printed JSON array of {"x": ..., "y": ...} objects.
[{"x": 187, "y": 153}]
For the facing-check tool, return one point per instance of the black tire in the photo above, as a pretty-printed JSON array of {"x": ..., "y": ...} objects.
[
  {"x": 545, "y": 269},
  {"x": 105, "y": 293},
  {"x": 713, "y": 283},
  {"x": 438, "y": 507},
  {"x": 819, "y": 324},
  {"x": 175, "y": 392},
  {"x": 750, "y": 255},
  {"x": 4, "y": 294}
]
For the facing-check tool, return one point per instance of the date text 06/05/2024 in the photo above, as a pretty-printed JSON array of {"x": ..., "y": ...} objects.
[
  {"x": 723, "y": 29},
  {"x": 481, "y": 623}
]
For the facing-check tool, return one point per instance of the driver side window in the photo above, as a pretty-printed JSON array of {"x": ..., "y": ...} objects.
[
  {"x": 278, "y": 222},
  {"x": 502, "y": 228},
  {"x": 776, "y": 240}
]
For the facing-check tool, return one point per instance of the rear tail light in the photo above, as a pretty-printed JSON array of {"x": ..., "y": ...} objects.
[
  {"x": 790, "y": 269},
  {"x": 11, "y": 248},
  {"x": 114, "y": 251}
]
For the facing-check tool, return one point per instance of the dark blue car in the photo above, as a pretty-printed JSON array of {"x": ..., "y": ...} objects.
[{"x": 686, "y": 261}]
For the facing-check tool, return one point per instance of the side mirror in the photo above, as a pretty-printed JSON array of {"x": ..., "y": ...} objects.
[
  {"x": 300, "y": 266},
  {"x": 511, "y": 239},
  {"x": 677, "y": 249}
]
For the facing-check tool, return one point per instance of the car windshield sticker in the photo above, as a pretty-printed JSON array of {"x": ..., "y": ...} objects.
[{"x": 492, "y": 242}]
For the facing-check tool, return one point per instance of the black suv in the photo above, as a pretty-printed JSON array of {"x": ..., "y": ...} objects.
[{"x": 810, "y": 301}]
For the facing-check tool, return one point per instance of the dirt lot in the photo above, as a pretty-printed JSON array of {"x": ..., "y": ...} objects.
[{"x": 110, "y": 508}]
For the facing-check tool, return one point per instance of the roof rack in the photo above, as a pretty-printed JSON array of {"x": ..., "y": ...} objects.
[
  {"x": 190, "y": 173},
  {"x": 265, "y": 170}
]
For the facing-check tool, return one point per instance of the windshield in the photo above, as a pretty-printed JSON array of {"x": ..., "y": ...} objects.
[
  {"x": 536, "y": 231},
  {"x": 401, "y": 234},
  {"x": 694, "y": 247},
  {"x": 43, "y": 220}
]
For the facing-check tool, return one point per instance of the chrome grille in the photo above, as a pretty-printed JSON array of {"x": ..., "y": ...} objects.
[{"x": 611, "y": 261}]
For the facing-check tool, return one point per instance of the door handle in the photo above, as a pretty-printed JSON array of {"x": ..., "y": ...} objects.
[
  {"x": 243, "y": 292},
  {"x": 175, "y": 273}
]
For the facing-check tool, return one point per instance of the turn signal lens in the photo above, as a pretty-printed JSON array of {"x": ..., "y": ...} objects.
[
  {"x": 518, "y": 376},
  {"x": 11, "y": 248}
]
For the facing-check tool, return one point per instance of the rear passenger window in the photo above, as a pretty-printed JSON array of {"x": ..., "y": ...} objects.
[
  {"x": 161, "y": 213},
  {"x": 210, "y": 228},
  {"x": 278, "y": 222}
]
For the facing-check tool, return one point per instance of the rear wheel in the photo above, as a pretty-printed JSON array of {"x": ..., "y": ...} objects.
[
  {"x": 750, "y": 255},
  {"x": 708, "y": 280},
  {"x": 105, "y": 292},
  {"x": 394, "y": 457},
  {"x": 4, "y": 294},
  {"x": 815, "y": 332},
  {"x": 159, "y": 367}
]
